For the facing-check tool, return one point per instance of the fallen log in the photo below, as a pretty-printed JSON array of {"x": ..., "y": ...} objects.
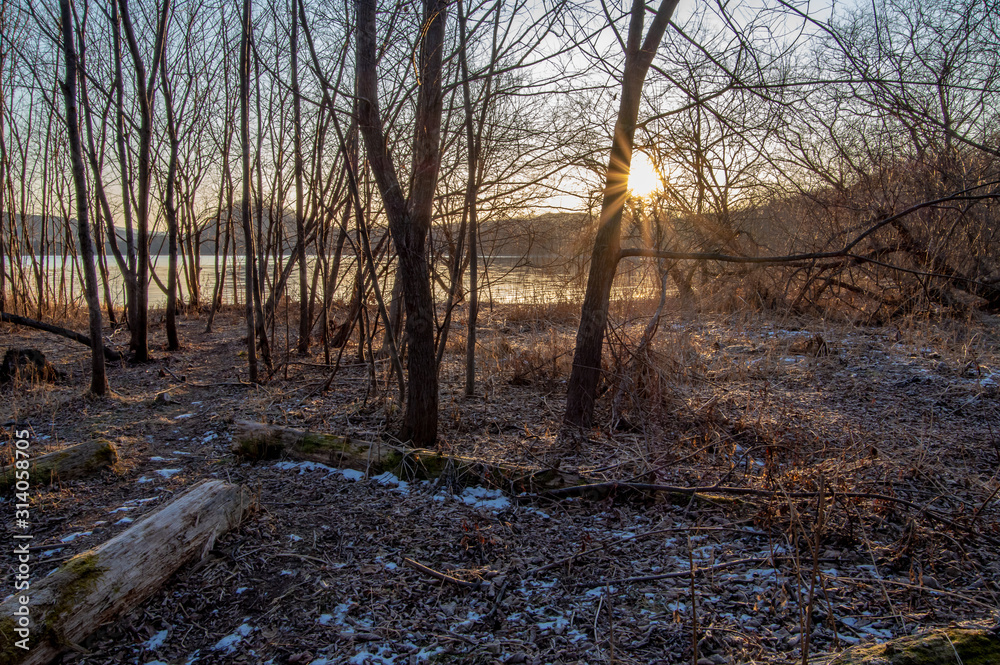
[
  {"x": 937, "y": 647},
  {"x": 109, "y": 354},
  {"x": 258, "y": 441},
  {"x": 82, "y": 459},
  {"x": 94, "y": 587}
]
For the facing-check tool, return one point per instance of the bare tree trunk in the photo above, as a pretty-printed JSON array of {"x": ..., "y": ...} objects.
[
  {"x": 220, "y": 274},
  {"x": 6, "y": 182},
  {"x": 98, "y": 376},
  {"x": 472, "y": 186},
  {"x": 395, "y": 319},
  {"x": 304, "y": 323},
  {"x": 260, "y": 255},
  {"x": 130, "y": 275},
  {"x": 409, "y": 218},
  {"x": 102, "y": 266},
  {"x": 145, "y": 92},
  {"x": 250, "y": 254},
  {"x": 170, "y": 210},
  {"x": 586, "y": 373}
]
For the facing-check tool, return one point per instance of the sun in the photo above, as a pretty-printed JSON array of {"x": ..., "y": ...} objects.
[{"x": 643, "y": 177}]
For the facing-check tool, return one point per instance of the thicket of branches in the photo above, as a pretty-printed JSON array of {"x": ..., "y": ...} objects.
[{"x": 843, "y": 160}]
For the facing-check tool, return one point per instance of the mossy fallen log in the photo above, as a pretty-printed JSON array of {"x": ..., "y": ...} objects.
[
  {"x": 77, "y": 461},
  {"x": 423, "y": 464},
  {"x": 937, "y": 647},
  {"x": 261, "y": 441},
  {"x": 58, "y": 611}
]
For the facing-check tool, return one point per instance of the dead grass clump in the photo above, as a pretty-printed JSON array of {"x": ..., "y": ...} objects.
[
  {"x": 537, "y": 315},
  {"x": 530, "y": 359}
]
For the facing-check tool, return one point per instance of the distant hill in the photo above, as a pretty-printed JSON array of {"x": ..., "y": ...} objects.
[{"x": 540, "y": 238}]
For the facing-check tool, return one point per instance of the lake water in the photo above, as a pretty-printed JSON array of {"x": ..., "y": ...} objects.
[{"x": 505, "y": 280}]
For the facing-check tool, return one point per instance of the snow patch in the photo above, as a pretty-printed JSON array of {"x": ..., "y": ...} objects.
[
  {"x": 73, "y": 536},
  {"x": 230, "y": 642},
  {"x": 481, "y": 497},
  {"x": 383, "y": 656},
  {"x": 304, "y": 466},
  {"x": 156, "y": 641},
  {"x": 424, "y": 655},
  {"x": 166, "y": 473},
  {"x": 338, "y": 616},
  {"x": 387, "y": 478}
]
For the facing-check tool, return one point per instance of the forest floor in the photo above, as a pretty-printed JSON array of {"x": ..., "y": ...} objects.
[{"x": 894, "y": 429}]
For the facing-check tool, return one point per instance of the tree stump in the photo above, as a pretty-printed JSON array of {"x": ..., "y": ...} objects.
[{"x": 27, "y": 364}]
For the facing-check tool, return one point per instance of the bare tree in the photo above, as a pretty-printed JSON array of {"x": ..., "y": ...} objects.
[
  {"x": 304, "y": 322},
  {"x": 586, "y": 373},
  {"x": 409, "y": 216},
  {"x": 145, "y": 92},
  {"x": 170, "y": 210},
  {"x": 248, "y": 238},
  {"x": 98, "y": 376}
]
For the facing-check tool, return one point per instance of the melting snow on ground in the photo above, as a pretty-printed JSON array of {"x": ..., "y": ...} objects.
[
  {"x": 73, "y": 536},
  {"x": 229, "y": 642},
  {"x": 481, "y": 497},
  {"x": 338, "y": 616},
  {"x": 383, "y": 656},
  {"x": 166, "y": 473},
  {"x": 478, "y": 497},
  {"x": 156, "y": 641}
]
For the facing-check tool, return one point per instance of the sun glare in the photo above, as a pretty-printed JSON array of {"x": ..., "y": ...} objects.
[{"x": 643, "y": 179}]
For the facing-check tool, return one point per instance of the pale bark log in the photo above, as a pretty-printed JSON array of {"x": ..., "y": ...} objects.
[
  {"x": 96, "y": 586},
  {"x": 75, "y": 461}
]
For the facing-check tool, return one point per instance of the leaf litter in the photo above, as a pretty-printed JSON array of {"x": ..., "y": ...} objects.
[{"x": 896, "y": 435}]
